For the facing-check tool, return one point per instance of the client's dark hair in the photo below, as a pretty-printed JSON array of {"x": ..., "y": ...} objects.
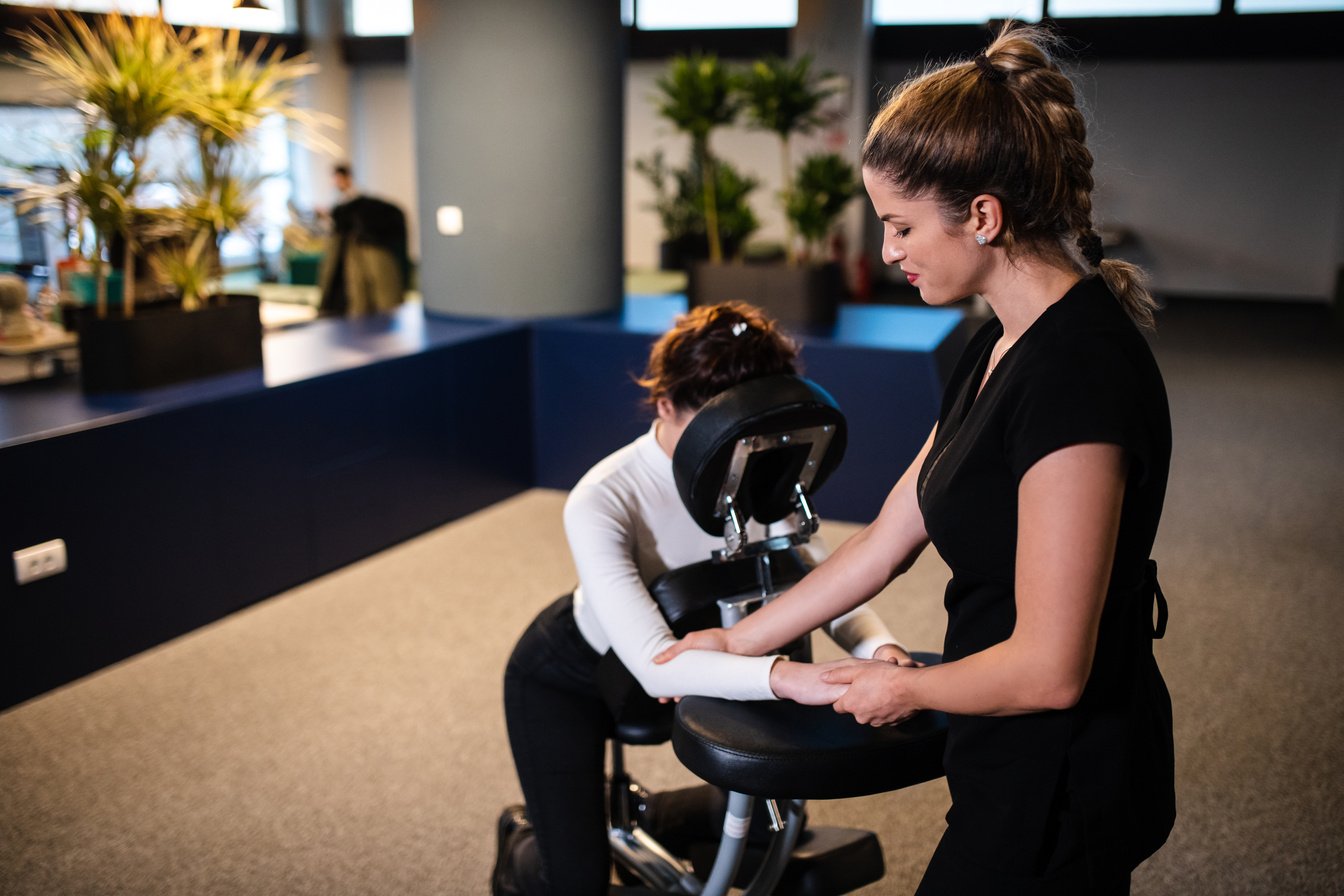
[{"x": 712, "y": 348}]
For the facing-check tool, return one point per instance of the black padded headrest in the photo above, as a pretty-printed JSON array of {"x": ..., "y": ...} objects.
[{"x": 760, "y": 407}]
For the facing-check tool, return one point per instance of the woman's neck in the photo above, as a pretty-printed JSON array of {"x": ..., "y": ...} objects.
[{"x": 1020, "y": 291}]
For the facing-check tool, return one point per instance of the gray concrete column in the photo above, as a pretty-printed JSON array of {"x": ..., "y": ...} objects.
[
  {"x": 839, "y": 35},
  {"x": 327, "y": 92},
  {"x": 518, "y": 111}
]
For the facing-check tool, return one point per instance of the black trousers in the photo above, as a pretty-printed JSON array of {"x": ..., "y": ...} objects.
[
  {"x": 558, "y": 727},
  {"x": 954, "y": 870}
]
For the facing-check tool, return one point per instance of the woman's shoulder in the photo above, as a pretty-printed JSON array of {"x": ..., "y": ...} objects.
[
  {"x": 1089, "y": 331},
  {"x": 615, "y": 483}
]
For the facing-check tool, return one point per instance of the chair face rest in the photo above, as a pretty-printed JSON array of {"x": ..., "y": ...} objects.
[
  {"x": 764, "y": 406},
  {"x": 783, "y": 750}
]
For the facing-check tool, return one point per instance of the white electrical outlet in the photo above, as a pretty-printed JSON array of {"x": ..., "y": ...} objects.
[{"x": 39, "y": 561}]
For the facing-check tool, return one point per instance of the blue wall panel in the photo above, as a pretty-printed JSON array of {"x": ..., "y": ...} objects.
[
  {"x": 176, "y": 517},
  {"x": 587, "y": 401},
  {"x": 588, "y": 404}
]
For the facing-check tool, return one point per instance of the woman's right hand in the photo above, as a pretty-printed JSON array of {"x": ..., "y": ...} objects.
[
  {"x": 803, "y": 682},
  {"x": 704, "y": 639}
]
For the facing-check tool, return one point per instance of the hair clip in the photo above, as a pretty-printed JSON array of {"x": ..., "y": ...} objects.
[
  {"x": 1090, "y": 245},
  {"x": 740, "y": 327}
]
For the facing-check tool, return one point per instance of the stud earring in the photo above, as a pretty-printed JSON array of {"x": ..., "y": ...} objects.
[{"x": 981, "y": 239}]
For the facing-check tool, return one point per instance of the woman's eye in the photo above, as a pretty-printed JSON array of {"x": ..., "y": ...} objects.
[{"x": 902, "y": 234}]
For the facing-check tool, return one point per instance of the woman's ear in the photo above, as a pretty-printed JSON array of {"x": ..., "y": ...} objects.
[
  {"x": 986, "y": 217},
  {"x": 666, "y": 409}
]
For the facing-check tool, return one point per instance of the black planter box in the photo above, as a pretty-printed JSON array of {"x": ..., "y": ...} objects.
[
  {"x": 806, "y": 295},
  {"x": 162, "y": 344}
]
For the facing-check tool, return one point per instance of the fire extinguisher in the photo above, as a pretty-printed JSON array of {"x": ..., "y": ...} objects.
[{"x": 863, "y": 278}]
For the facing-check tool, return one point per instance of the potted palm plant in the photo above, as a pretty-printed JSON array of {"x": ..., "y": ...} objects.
[
  {"x": 824, "y": 185},
  {"x": 678, "y": 201},
  {"x": 133, "y": 79},
  {"x": 122, "y": 75},
  {"x": 696, "y": 94},
  {"x": 786, "y": 99}
]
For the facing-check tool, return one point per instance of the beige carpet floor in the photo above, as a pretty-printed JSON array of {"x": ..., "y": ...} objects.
[{"x": 346, "y": 737}]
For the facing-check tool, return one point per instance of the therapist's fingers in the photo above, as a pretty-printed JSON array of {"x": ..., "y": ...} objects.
[
  {"x": 705, "y": 639},
  {"x": 843, "y": 674}
]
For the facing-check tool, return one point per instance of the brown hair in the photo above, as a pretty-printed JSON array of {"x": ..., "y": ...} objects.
[
  {"x": 1006, "y": 123},
  {"x": 712, "y": 348}
]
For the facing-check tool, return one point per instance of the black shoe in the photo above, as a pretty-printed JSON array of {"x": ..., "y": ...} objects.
[{"x": 512, "y": 824}]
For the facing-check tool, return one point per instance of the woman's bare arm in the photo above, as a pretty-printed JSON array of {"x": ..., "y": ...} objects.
[{"x": 1068, "y": 519}]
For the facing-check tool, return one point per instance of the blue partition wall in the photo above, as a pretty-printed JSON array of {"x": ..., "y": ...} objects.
[
  {"x": 182, "y": 505},
  {"x": 885, "y": 366},
  {"x": 587, "y": 402}
]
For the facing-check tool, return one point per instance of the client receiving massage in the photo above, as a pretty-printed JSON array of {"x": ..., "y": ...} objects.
[{"x": 626, "y": 525}]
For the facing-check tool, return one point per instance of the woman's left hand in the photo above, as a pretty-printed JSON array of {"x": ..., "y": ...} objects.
[
  {"x": 894, "y": 653},
  {"x": 876, "y": 691}
]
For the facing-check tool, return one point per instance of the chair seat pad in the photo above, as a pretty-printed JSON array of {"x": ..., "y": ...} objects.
[{"x": 783, "y": 750}]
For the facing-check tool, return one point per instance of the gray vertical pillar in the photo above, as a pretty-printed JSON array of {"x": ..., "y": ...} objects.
[
  {"x": 518, "y": 124},
  {"x": 327, "y": 92},
  {"x": 839, "y": 35}
]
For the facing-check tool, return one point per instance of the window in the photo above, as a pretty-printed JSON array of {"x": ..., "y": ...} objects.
[
  {"x": 678, "y": 15},
  {"x": 1289, "y": 6},
  {"x": 953, "y": 12},
  {"x": 1112, "y": 8},
  {"x": 130, "y": 7},
  {"x": 378, "y": 18},
  {"x": 221, "y": 14}
]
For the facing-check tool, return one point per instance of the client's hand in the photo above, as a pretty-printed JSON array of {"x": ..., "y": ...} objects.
[
  {"x": 802, "y": 683},
  {"x": 704, "y": 639},
  {"x": 875, "y": 691},
  {"x": 895, "y": 653}
]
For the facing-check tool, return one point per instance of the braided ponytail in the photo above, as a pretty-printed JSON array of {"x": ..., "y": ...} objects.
[{"x": 1005, "y": 123}]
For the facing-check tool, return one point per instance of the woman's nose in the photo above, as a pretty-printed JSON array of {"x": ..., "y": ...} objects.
[{"x": 894, "y": 254}]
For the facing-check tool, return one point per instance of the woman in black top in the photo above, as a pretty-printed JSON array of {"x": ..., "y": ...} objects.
[{"x": 1041, "y": 486}]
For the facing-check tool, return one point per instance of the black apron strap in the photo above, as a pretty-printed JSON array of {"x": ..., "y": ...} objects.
[{"x": 1159, "y": 600}]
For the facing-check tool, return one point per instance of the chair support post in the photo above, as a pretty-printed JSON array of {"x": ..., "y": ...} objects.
[{"x": 732, "y": 845}]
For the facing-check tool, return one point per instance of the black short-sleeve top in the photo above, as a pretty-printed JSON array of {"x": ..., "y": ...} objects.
[{"x": 1081, "y": 373}]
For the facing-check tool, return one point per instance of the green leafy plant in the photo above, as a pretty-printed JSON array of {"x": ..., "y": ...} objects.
[
  {"x": 675, "y": 214},
  {"x": 824, "y": 186},
  {"x": 131, "y": 77},
  {"x": 697, "y": 95},
  {"x": 733, "y": 212},
  {"x": 784, "y": 98},
  {"x": 230, "y": 93},
  {"x": 124, "y": 75},
  {"x": 678, "y": 203},
  {"x": 186, "y": 267}
]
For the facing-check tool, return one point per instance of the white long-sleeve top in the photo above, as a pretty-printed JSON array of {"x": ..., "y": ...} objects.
[{"x": 626, "y": 525}]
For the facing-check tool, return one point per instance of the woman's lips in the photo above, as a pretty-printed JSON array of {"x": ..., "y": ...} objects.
[{"x": 911, "y": 277}]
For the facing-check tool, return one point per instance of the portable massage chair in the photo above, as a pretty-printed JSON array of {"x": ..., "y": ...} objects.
[{"x": 759, "y": 450}]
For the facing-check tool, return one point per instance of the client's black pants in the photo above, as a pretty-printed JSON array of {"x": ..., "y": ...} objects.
[{"x": 558, "y": 727}]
